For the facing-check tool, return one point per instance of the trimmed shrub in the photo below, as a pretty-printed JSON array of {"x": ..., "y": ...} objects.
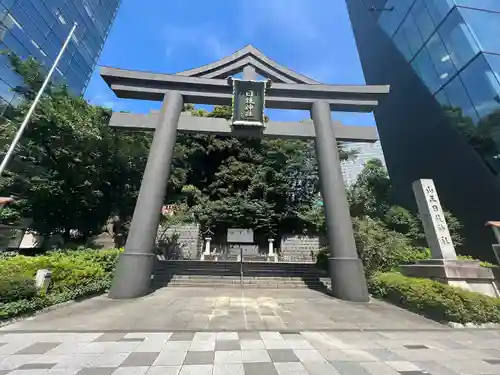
[
  {"x": 70, "y": 269},
  {"x": 16, "y": 287},
  {"x": 434, "y": 300},
  {"x": 75, "y": 273}
]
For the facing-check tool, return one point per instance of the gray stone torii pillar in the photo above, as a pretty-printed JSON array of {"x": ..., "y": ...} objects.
[
  {"x": 346, "y": 269},
  {"x": 133, "y": 272}
]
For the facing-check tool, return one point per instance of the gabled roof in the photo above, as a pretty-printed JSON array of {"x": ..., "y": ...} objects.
[{"x": 249, "y": 55}]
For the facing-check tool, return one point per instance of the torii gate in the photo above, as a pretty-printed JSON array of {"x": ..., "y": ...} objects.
[{"x": 209, "y": 85}]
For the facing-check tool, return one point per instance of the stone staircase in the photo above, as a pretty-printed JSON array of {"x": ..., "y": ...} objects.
[{"x": 211, "y": 274}]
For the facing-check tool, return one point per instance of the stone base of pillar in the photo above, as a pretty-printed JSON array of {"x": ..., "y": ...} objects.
[
  {"x": 348, "y": 279},
  {"x": 465, "y": 274},
  {"x": 132, "y": 277},
  {"x": 272, "y": 258}
]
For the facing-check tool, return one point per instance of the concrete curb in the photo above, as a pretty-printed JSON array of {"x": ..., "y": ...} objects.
[{"x": 474, "y": 326}]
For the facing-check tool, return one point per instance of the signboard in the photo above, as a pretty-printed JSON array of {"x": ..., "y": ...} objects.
[
  {"x": 237, "y": 235},
  {"x": 248, "y": 102}
]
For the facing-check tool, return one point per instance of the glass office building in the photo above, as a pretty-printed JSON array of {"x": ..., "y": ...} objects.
[
  {"x": 441, "y": 119},
  {"x": 38, "y": 28},
  {"x": 454, "y": 47}
]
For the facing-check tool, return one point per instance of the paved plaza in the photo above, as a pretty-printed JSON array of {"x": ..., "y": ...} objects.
[
  {"x": 203, "y": 331},
  {"x": 222, "y": 309},
  {"x": 250, "y": 353}
]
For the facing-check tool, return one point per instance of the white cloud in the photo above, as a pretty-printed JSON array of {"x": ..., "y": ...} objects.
[{"x": 179, "y": 38}]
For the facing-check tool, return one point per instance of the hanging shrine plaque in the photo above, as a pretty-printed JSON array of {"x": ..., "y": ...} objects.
[{"x": 248, "y": 103}]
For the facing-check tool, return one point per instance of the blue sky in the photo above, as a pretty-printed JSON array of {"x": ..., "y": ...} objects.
[{"x": 312, "y": 37}]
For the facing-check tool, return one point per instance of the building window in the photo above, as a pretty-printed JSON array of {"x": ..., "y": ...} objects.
[
  {"x": 485, "y": 27},
  {"x": 459, "y": 100},
  {"x": 493, "y": 5},
  {"x": 482, "y": 86},
  {"x": 423, "y": 19},
  {"x": 60, "y": 17},
  {"x": 457, "y": 39},
  {"x": 438, "y": 9},
  {"x": 425, "y": 69},
  {"x": 440, "y": 58},
  {"x": 412, "y": 34}
]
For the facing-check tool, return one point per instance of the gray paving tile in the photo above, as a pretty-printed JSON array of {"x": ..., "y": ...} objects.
[
  {"x": 435, "y": 368},
  {"x": 199, "y": 358},
  {"x": 227, "y": 369},
  {"x": 96, "y": 371},
  {"x": 416, "y": 347},
  {"x": 196, "y": 370},
  {"x": 492, "y": 361},
  {"x": 255, "y": 356},
  {"x": 249, "y": 335},
  {"x": 228, "y": 356},
  {"x": 181, "y": 336},
  {"x": 5, "y": 372},
  {"x": 259, "y": 369},
  {"x": 110, "y": 337},
  {"x": 413, "y": 373},
  {"x": 35, "y": 366},
  {"x": 109, "y": 359},
  {"x": 39, "y": 348},
  {"x": 384, "y": 354},
  {"x": 290, "y": 368},
  {"x": 227, "y": 336},
  {"x": 170, "y": 358},
  {"x": 133, "y": 370},
  {"x": 29, "y": 372},
  {"x": 350, "y": 368},
  {"x": 227, "y": 345},
  {"x": 282, "y": 355},
  {"x": 323, "y": 368},
  {"x": 379, "y": 368},
  {"x": 252, "y": 344},
  {"x": 140, "y": 359},
  {"x": 132, "y": 339},
  {"x": 164, "y": 370}
]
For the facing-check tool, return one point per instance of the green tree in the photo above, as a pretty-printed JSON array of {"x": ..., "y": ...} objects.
[
  {"x": 268, "y": 185},
  {"x": 371, "y": 195},
  {"x": 69, "y": 170}
]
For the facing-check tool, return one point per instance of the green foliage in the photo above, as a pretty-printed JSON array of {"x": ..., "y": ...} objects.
[
  {"x": 15, "y": 287},
  {"x": 481, "y": 262},
  {"x": 379, "y": 248},
  {"x": 382, "y": 249},
  {"x": 27, "y": 306},
  {"x": 322, "y": 259},
  {"x": 437, "y": 301},
  {"x": 371, "y": 195},
  {"x": 70, "y": 269},
  {"x": 70, "y": 171},
  {"x": 75, "y": 273}
]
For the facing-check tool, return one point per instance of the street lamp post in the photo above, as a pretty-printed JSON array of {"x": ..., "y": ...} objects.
[{"x": 23, "y": 126}]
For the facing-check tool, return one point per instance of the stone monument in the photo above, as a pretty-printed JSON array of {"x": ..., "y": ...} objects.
[{"x": 444, "y": 265}]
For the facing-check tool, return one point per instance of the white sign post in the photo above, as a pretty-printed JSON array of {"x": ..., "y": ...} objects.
[{"x": 432, "y": 216}]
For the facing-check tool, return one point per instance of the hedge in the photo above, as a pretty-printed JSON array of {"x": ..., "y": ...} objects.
[
  {"x": 75, "y": 274},
  {"x": 434, "y": 300}
]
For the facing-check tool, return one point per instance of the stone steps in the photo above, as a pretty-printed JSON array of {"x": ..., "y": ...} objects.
[
  {"x": 228, "y": 274},
  {"x": 269, "y": 283}
]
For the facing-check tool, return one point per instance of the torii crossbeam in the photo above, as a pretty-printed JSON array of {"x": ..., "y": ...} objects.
[{"x": 209, "y": 85}]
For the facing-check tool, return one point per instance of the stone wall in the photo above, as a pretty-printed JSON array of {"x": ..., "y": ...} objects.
[
  {"x": 299, "y": 248},
  {"x": 190, "y": 241}
]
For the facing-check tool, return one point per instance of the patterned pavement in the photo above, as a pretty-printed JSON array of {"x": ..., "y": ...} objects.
[{"x": 437, "y": 352}]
